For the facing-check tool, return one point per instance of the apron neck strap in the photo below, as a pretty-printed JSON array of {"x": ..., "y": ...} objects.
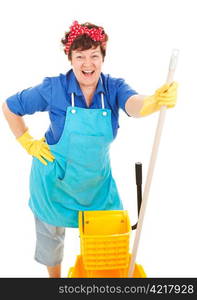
[
  {"x": 72, "y": 99},
  {"x": 102, "y": 96},
  {"x": 102, "y": 101}
]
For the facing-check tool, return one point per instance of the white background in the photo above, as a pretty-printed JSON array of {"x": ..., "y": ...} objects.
[{"x": 142, "y": 35}]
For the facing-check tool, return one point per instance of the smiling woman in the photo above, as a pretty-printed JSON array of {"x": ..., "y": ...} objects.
[{"x": 71, "y": 168}]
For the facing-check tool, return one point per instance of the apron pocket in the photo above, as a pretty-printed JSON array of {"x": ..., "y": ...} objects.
[
  {"x": 87, "y": 168},
  {"x": 81, "y": 184}
]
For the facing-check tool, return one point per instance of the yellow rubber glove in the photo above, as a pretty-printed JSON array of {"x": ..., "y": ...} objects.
[
  {"x": 165, "y": 95},
  {"x": 37, "y": 148}
]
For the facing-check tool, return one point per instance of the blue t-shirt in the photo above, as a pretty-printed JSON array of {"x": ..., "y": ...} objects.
[{"x": 54, "y": 95}]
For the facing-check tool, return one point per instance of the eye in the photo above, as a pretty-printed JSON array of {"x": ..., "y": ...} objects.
[
  {"x": 95, "y": 56},
  {"x": 78, "y": 56}
]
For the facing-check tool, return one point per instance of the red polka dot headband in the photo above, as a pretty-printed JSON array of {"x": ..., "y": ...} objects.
[{"x": 76, "y": 29}]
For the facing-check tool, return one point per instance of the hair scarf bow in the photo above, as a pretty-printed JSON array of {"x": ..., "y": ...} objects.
[{"x": 76, "y": 30}]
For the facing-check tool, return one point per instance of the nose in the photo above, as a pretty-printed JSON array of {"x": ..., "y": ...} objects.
[{"x": 87, "y": 61}]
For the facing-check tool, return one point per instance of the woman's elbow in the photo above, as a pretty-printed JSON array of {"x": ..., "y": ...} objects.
[{"x": 4, "y": 107}]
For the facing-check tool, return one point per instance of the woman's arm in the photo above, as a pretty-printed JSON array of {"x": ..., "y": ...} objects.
[
  {"x": 140, "y": 105},
  {"x": 15, "y": 122},
  {"x": 134, "y": 105},
  {"x": 37, "y": 148}
]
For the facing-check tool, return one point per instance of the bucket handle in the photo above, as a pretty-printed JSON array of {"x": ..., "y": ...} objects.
[{"x": 138, "y": 177}]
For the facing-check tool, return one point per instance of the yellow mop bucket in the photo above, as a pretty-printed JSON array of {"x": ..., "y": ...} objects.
[{"x": 104, "y": 243}]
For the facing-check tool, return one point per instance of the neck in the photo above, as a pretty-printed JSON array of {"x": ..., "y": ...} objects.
[{"x": 88, "y": 92}]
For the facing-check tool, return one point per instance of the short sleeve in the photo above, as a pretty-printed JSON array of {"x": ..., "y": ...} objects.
[
  {"x": 124, "y": 92},
  {"x": 31, "y": 100}
]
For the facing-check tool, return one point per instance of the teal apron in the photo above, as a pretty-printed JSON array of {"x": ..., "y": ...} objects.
[{"x": 80, "y": 176}]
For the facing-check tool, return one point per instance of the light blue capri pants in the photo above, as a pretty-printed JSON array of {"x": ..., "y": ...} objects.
[{"x": 49, "y": 243}]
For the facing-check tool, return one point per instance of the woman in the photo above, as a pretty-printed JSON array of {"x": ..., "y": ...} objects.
[{"x": 71, "y": 166}]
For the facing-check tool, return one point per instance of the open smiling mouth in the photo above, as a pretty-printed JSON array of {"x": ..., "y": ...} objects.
[{"x": 88, "y": 73}]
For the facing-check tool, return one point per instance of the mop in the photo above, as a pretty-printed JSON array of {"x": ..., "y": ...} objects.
[{"x": 171, "y": 71}]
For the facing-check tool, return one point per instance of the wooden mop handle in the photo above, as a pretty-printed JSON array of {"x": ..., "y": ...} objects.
[{"x": 172, "y": 67}]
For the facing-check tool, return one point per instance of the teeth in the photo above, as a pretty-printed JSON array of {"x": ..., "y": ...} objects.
[{"x": 88, "y": 72}]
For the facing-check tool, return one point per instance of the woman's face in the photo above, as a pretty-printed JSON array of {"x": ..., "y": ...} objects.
[{"x": 87, "y": 66}]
